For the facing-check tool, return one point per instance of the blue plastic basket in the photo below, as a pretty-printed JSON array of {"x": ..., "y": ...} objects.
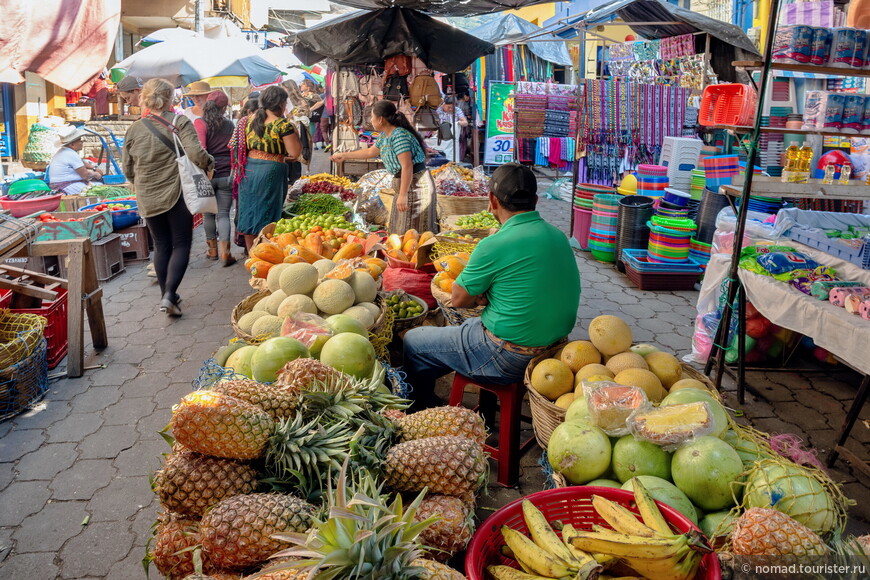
[
  {"x": 816, "y": 238},
  {"x": 638, "y": 259},
  {"x": 122, "y": 218}
]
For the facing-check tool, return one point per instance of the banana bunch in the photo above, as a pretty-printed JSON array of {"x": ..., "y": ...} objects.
[
  {"x": 650, "y": 548},
  {"x": 545, "y": 555}
]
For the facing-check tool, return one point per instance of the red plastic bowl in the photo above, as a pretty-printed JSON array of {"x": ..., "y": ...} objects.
[
  {"x": 25, "y": 207},
  {"x": 570, "y": 505}
]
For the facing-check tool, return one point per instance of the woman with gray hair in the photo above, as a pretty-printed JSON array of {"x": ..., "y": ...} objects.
[{"x": 149, "y": 162}]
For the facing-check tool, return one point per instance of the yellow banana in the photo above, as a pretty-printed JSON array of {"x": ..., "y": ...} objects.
[
  {"x": 507, "y": 573},
  {"x": 543, "y": 535},
  {"x": 621, "y": 519},
  {"x": 590, "y": 562},
  {"x": 508, "y": 553},
  {"x": 668, "y": 569},
  {"x": 531, "y": 556},
  {"x": 624, "y": 546},
  {"x": 648, "y": 509}
]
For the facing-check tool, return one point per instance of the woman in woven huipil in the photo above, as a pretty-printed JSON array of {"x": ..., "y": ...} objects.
[{"x": 402, "y": 151}]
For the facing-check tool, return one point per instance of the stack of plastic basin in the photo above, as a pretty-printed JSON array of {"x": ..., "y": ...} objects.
[
  {"x": 720, "y": 170},
  {"x": 669, "y": 240},
  {"x": 583, "y": 194},
  {"x": 632, "y": 232},
  {"x": 602, "y": 234},
  {"x": 652, "y": 180}
]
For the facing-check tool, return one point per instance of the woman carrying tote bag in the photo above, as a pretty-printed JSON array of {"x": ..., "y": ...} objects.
[{"x": 150, "y": 164}]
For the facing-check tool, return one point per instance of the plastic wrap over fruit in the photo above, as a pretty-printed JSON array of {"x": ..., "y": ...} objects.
[
  {"x": 309, "y": 329},
  {"x": 449, "y": 182},
  {"x": 610, "y": 405},
  {"x": 672, "y": 425}
]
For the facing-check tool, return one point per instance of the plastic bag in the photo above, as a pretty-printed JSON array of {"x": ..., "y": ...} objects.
[
  {"x": 449, "y": 182},
  {"x": 560, "y": 189},
  {"x": 369, "y": 205},
  {"x": 309, "y": 329},
  {"x": 611, "y": 404},
  {"x": 480, "y": 185},
  {"x": 672, "y": 425}
]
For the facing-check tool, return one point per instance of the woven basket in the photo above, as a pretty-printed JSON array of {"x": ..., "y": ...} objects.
[
  {"x": 20, "y": 334},
  {"x": 24, "y": 383},
  {"x": 458, "y": 205},
  {"x": 400, "y": 324},
  {"x": 546, "y": 416},
  {"x": 243, "y": 308},
  {"x": 35, "y": 165},
  {"x": 76, "y": 114},
  {"x": 453, "y": 316},
  {"x": 381, "y": 334}
]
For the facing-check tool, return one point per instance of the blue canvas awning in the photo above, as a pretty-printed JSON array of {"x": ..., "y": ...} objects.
[{"x": 511, "y": 29}]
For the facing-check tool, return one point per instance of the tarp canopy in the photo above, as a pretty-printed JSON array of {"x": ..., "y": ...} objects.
[
  {"x": 510, "y": 29},
  {"x": 66, "y": 42},
  {"x": 445, "y": 7},
  {"x": 365, "y": 37}
]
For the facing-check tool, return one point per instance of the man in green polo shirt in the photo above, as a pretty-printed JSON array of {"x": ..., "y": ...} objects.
[{"x": 526, "y": 277}]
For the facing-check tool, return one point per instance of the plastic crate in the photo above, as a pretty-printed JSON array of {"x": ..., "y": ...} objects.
[
  {"x": 134, "y": 242},
  {"x": 639, "y": 260},
  {"x": 569, "y": 505},
  {"x": 55, "y": 332},
  {"x": 728, "y": 104},
  {"x": 816, "y": 238}
]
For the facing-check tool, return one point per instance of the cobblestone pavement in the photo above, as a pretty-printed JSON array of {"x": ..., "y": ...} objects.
[{"x": 74, "y": 486}]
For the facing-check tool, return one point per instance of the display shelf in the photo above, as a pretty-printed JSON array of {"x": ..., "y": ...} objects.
[
  {"x": 784, "y": 131},
  {"x": 804, "y": 68},
  {"x": 813, "y": 189}
]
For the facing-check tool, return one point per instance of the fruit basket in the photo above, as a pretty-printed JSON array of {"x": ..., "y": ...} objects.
[
  {"x": 121, "y": 218},
  {"x": 569, "y": 505},
  {"x": 400, "y": 324},
  {"x": 546, "y": 416},
  {"x": 454, "y": 316},
  {"x": 461, "y": 205},
  {"x": 25, "y": 207},
  {"x": 243, "y": 308}
]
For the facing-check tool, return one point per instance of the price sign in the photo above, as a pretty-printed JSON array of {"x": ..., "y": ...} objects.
[{"x": 499, "y": 147}]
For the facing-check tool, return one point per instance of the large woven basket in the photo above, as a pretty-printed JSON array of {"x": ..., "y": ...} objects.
[
  {"x": 453, "y": 316},
  {"x": 24, "y": 383},
  {"x": 546, "y": 416},
  {"x": 35, "y": 165},
  {"x": 243, "y": 308},
  {"x": 20, "y": 334},
  {"x": 76, "y": 114},
  {"x": 458, "y": 205}
]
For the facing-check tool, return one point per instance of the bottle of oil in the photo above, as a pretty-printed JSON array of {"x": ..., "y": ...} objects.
[
  {"x": 829, "y": 174},
  {"x": 792, "y": 156},
  {"x": 845, "y": 173},
  {"x": 805, "y": 163}
]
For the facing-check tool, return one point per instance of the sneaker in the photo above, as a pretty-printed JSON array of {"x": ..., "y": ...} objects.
[
  {"x": 170, "y": 308},
  {"x": 328, "y": 147}
]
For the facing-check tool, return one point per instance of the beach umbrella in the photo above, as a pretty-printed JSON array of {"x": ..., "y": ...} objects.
[{"x": 165, "y": 34}]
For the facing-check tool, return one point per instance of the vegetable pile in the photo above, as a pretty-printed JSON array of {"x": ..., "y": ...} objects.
[{"x": 317, "y": 203}]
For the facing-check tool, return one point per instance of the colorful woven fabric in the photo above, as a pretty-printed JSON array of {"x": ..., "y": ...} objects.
[
  {"x": 557, "y": 123},
  {"x": 529, "y": 114}
]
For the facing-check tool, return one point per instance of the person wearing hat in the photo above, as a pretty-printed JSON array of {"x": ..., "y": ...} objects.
[
  {"x": 129, "y": 89},
  {"x": 526, "y": 278},
  {"x": 215, "y": 131},
  {"x": 68, "y": 172},
  {"x": 198, "y": 92}
]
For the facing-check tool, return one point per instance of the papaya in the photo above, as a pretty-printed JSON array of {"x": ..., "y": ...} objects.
[
  {"x": 249, "y": 262},
  {"x": 314, "y": 243},
  {"x": 341, "y": 272},
  {"x": 377, "y": 262},
  {"x": 348, "y": 251},
  {"x": 425, "y": 237},
  {"x": 451, "y": 265},
  {"x": 399, "y": 255},
  {"x": 375, "y": 270},
  {"x": 260, "y": 268},
  {"x": 327, "y": 252},
  {"x": 294, "y": 259},
  {"x": 394, "y": 242},
  {"x": 304, "y": 253},
  {"x": 268, "y": 252},
  {"x": 284, "y": 240},
  {"x": 443, "y": 281},
  {"x": 411, "y": 234},
  {"x": 464, "y": 255},
  {"x": 410, "y": 247}
]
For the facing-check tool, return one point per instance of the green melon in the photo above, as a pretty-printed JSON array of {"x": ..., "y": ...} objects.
[
  {"x": 632, "y": 457},
  {"x": 704, "y": 469},
  {"x": 349, "y": 353},
  {"x": 272, "y": 355},
  {"x": 240, "y": 361},
  {"x": 667, "y": 493},
  {"x": 605, "y": 483}
]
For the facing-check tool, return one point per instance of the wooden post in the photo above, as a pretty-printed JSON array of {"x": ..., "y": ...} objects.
[{"x": 75, "y": 313}]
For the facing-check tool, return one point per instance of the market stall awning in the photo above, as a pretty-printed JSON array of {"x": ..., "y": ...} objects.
[
  {"x": 445, "y": 7},
  {"x": 511, "y": 29},
  {"x": 365, "y": 37},
  {"x": 66, "y": 42}
]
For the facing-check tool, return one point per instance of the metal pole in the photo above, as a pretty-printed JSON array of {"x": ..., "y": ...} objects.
[
  {"x": 475, "y": 136},
  {"x": 453, "y": 121},
  {"x": 199, "y": 16}
]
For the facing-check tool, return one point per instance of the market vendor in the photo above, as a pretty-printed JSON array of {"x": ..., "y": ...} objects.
[
  {"x": 402, "y": 150},
  {"x": 526, "y": 278},
  {"x": 68, "y": 172}
]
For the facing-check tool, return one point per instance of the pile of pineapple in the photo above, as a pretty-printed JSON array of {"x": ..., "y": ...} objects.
[{"x": 258, "y": 469}]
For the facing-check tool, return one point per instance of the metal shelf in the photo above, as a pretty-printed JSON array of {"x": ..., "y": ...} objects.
[
  {"x": 804, "y": 68},
  {"x": 813, "y": 189},
  {"x": 784, "y": 131}
]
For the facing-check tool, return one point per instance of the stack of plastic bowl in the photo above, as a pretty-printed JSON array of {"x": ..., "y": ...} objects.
[
  {"x": 674, "y": 204},
  {"x": 632, "y": 231},
  {"x": 652, "y": 180},
  {"x": 711, "y": 204},
  {"x": 583, "y": 194},
  {"x": 602, "y": 234},
  {"x": 699, "y": 252},
  {"x": 698, "y": 183},
  {"x": 669, "y": 240},
  {"x": 720, "y": 170}
]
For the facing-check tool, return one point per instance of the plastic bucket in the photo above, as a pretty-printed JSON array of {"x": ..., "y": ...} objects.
[{"x": 582, "y": 222}]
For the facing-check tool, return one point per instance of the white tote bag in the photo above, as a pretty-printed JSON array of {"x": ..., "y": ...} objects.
[{"x": 195, "y": 184}]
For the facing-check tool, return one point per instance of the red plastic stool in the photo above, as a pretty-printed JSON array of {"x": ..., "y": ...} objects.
[{"x": 510, "y": 401}]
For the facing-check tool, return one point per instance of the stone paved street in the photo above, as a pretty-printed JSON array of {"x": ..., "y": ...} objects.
[{"x": 75, "y": 501}]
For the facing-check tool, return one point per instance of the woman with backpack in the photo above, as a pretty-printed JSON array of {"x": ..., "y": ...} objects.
[
  {"x": 270, "y": 141},
  {"x": 402, "y": 150}
]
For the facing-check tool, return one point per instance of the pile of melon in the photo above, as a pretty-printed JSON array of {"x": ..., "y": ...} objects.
[{"x": 324, "y": 289}]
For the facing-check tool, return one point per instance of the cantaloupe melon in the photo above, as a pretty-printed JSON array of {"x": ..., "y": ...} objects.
[
  {"x": 590, "y": 371},
  {"x": 579, "y": 353},
  {"x": 296, "y": 303},
  {"x": 624, "y": 361},
  {"x": 246, "y": 322},
  {"x": 334, "y": 296},
  {"x": 610, "y": 334},
  {"x": 364, "y": 287},
  {"x": 274, "y": 301},
  {"x": 299, "y": 278},
  {"x": 267, "y": 326},
  {"x": 642, "y": 379},
  {"x": 361, "y": 314},
  {"x": 373, "y": 309},
  {"x": 273, "y": 278},
  {"x": 260, "y": 306},
  {"x": 687, "y": 384},
  {"x": 324, "y": 266},
  {"x": 665, "y": 366}
]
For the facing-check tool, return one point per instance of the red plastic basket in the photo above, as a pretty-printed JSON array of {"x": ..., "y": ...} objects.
[
  {"x": 570, "y": 505},
  {"x": 728, "y": 104},
  {"x": 56, "y": 335}
]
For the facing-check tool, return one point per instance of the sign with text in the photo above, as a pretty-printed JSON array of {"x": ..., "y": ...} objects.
[{"x": 499, "y": 125}]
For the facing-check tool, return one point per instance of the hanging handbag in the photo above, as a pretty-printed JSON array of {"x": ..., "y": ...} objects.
[
  {"x": 404, "y": 108},
  {"x": 196, "y": 187},
  {"x": 426, "y": 119},
  {"x": 396, "y": 88},
  {"x": 445, "y": 131}
]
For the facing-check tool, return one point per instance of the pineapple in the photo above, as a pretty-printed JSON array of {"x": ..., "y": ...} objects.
[
  {"x": 216, "y": 424},
  {"x": 394, "y": 415},
  {"x": 768, "y": 532},
  {"x": 191, "y": 483},
  {"x": 450, "y": 534},
  {"x": 449, "y": 465},
  {"x": 308, "y": 374},
  {"x": 173, "y": 537},
  {"x": 280, "y": 403},
  {"x": 436, "y": 570},
  {"x": 237, "y": 532},
  {"x": 443, "y": 421},
  {"x": 277, "y": 572}
]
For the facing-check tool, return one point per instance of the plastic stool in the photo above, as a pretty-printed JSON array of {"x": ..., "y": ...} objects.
[{"x": 510, "y": 400}]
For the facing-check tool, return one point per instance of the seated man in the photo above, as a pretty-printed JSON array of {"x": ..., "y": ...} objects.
[
  {"x": 526, "y": 277},
  {"x": 68, "y": 172}
]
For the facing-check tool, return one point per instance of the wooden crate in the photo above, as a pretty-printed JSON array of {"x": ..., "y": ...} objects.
[
  {"x": 95, "y": 225},
  {"x": 70, "y": 203}
]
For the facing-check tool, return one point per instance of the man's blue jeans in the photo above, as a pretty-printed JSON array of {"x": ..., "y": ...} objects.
[{"x": 432, "y": 352}]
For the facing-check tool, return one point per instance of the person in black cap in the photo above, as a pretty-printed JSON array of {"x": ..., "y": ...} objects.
[{"x": 526, "y": 278}]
